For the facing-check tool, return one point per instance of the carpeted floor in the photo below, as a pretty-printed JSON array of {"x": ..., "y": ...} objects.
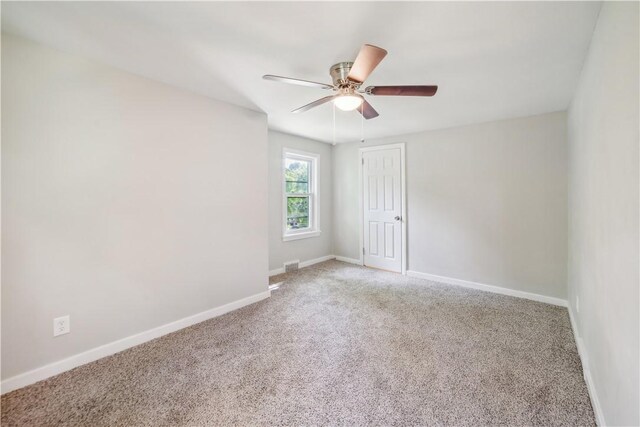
[{"x": 337, "y": 344}]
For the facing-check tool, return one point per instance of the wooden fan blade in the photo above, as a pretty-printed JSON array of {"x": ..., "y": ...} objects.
[
  {"x": 367, "y": 111},
  {"x": 296, "y": 81},
  {"x": 367, "y": 60},
  {"x": 402, "y": 90},
  {"x": 314, "y": 104}
]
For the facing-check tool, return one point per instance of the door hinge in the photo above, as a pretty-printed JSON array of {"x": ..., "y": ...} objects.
[
  {"x": 362, "y": 251},
  {"x": 362, "y": 160}
]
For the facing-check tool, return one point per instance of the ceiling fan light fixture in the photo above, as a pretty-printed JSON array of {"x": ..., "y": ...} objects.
[
  {"x": 347, "y": 79},
  {"x": 348, "y": 102}
]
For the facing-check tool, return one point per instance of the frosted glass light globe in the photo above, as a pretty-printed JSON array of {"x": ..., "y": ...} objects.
[{"x": 348, "y": 102}]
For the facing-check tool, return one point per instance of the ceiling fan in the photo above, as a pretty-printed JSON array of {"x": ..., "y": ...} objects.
[{"x": 348, "y": 77}]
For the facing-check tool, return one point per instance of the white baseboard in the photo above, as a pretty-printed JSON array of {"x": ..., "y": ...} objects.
[
  {"x": 302, "y": 264},
  {"x": 316, "y": 261},
  {"x": 276, "y": 271},
  {"x": 60, "y": 366},
  {"x": 588, "y": 379},
  {"x": 349, "y": 260},
  {"x": 489, "y": 288}
]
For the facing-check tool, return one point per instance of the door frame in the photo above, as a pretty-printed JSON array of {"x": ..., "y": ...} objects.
[{"x": 403, "y": 180}]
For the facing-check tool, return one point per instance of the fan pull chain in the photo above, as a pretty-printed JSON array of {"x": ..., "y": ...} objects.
[
  {"x": 334, "y": 123},
  {"x": 362, "y": 122}
]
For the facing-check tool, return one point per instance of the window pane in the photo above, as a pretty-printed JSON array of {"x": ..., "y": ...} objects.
[
  {"x": 296, "y": 176},
  {"x": 297, "y": 213}
]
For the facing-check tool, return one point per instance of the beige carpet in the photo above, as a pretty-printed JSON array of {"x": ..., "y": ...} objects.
[{"x": 336, "y": 345}]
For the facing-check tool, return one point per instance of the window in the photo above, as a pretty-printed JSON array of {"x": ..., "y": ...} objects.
[{"x": 300, "y": 204}]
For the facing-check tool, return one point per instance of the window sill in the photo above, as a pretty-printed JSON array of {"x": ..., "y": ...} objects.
[{"x": 298, "y": 236}]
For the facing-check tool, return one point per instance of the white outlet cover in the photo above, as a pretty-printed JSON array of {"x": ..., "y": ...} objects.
[{"x": 61, "y": 325}]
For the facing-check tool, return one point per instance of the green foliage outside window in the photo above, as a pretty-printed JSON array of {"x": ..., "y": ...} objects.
[
  {"x": 297, "y": 212},
  {"x": 296, "y": 175}
]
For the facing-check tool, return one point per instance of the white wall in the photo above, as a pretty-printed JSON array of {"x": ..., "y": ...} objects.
[
  {"x": 127, "y": 204},
  {"x": 603, "y": 213},
  {"x": 303, "y": 249},
  {"x": 485, "y": 203}
]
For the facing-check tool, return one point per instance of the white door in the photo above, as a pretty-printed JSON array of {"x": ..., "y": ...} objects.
[{"x": 382, "y": 208}]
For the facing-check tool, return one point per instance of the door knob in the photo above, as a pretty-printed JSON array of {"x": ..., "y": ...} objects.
[{"x": 398, "y": 218}]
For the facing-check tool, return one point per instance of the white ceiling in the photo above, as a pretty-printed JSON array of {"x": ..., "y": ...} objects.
[{"x": 491, "y": 60}]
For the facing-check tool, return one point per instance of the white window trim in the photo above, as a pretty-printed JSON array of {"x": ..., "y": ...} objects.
[{"x": 314, "y": 196}]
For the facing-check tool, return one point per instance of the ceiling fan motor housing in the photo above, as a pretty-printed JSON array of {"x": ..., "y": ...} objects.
[{"x": 339, "y": 73}]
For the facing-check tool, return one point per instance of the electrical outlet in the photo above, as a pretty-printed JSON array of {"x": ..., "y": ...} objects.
[{"x": 61, "y": 325}]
